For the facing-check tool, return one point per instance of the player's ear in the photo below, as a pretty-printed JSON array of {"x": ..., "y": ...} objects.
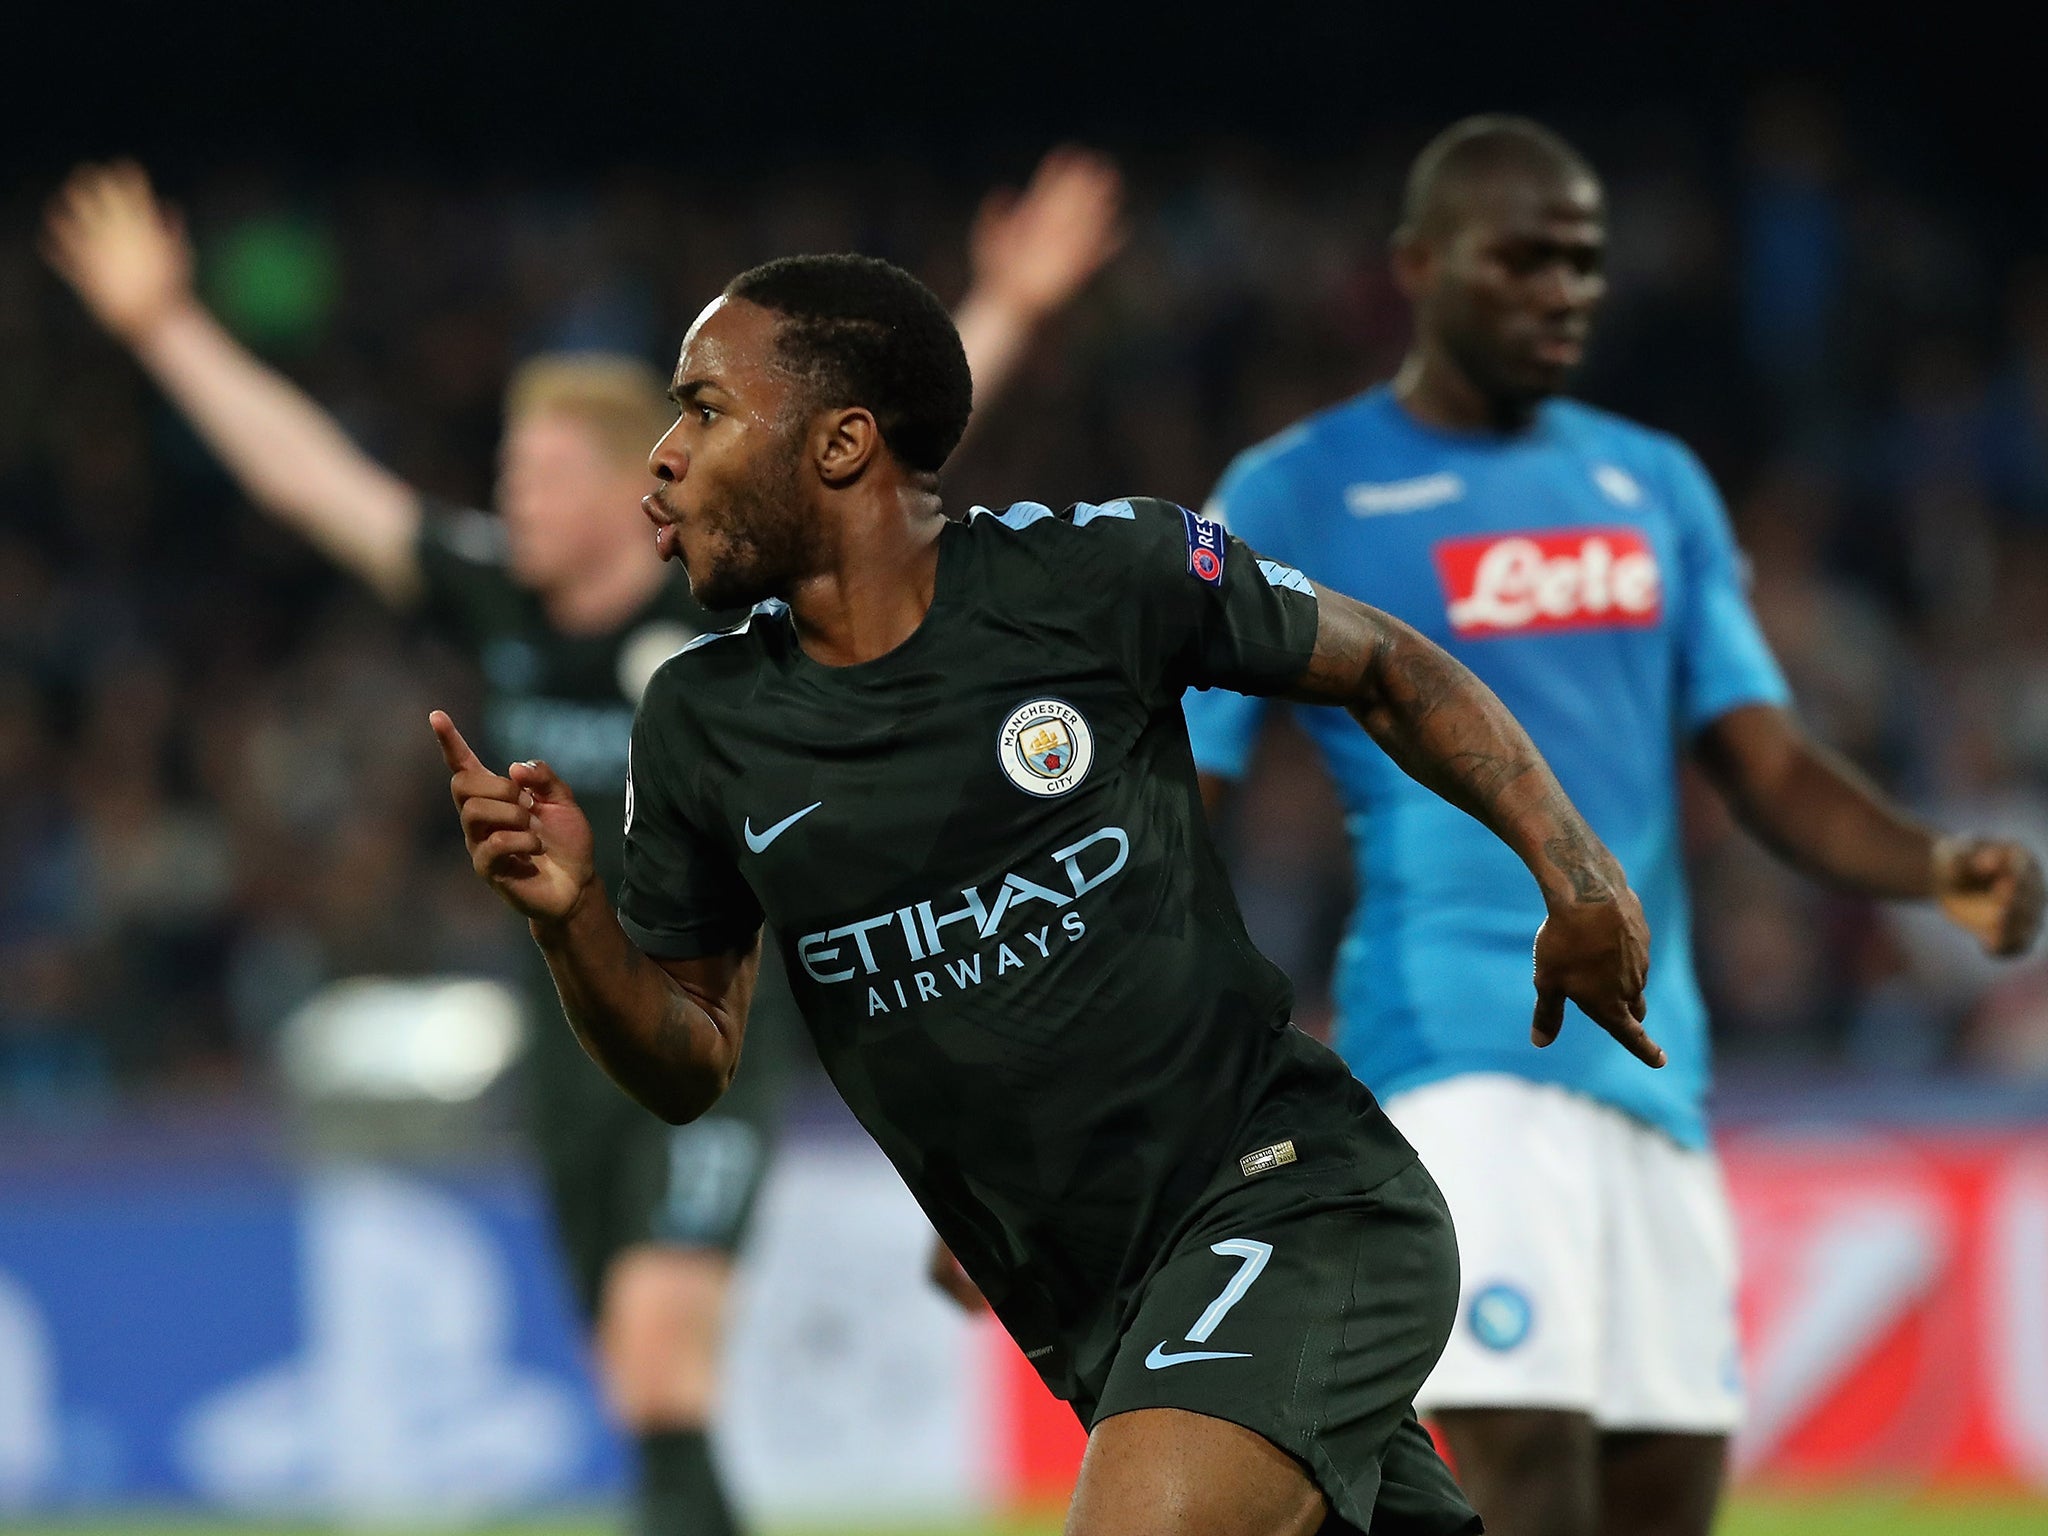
[
  {"x": 1414, "y": 263},
  {"x": 848, "y": 441}
]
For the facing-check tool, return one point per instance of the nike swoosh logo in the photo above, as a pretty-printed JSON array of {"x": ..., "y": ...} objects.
[
  {"x": 759, "y": 841},
  {"x": 1159, "y": 1359}
]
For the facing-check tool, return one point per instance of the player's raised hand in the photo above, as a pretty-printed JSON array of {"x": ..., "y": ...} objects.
[
  {"x": 525, "y": 832},
  {"x": 1992, "y": 890},
  {"x": 1596, "y": 954},
  {"x": 125, "y": 253},
  {"x": 1035, "y": 249}
]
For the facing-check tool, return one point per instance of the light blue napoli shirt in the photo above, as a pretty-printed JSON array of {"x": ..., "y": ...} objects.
[{"x": 1584, "y": 568}]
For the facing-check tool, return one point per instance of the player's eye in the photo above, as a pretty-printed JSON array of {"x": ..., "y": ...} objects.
[{"x": 704, "y": 413}]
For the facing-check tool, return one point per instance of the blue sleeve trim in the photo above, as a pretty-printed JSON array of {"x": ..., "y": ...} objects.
[
  {"x": 1023, "y": 514},
  {"x": 1278, "y": 575},
  {"x": 1086, "y": 512}
]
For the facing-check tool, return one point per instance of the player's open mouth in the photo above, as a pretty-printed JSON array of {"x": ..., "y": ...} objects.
[{"x": 668, "y": 534}]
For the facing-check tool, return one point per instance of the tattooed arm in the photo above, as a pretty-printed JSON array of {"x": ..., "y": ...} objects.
[
  {"x": 1446, "y": 730},
  {"x": 668, "y": 1032}
]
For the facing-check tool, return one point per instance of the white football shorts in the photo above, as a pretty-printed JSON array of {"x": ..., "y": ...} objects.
[{"x": 1597, "y": 1256}]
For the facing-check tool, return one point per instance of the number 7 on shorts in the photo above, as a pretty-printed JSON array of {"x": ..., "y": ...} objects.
[{"x": 1254, "y": 1254}]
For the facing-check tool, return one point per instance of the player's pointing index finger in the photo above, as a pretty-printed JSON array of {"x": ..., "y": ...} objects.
[{"x": 454, "y": 750}]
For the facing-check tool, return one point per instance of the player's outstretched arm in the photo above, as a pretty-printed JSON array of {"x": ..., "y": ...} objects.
[
  {"x": 1811, "y": 807},
  {"x": 129, "y": 261},
  {"x": 667, "y": 1032},
  {"x": 1032, "y": 252},
  {"x": 1447, "y": 730}
]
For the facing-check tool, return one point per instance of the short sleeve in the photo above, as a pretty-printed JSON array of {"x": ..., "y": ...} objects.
[
  {"x": 1253, "y": 502},
  {"x": 682, "y": 897},
  {"x": 1724, "y": 661},
  {"x": 1200, "y": 608},
  {"x": 464, "y": 576}
]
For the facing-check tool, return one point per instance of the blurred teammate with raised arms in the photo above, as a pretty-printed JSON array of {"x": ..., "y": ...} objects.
[
  {"x": 1583, "y": 567},
  {"x": 565, "y": 606}
]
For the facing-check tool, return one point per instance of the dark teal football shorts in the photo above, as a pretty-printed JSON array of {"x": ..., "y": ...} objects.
[{"x": 1309, "y": 1310}]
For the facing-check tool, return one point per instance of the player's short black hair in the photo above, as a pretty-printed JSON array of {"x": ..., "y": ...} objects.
[
  {"x": 1475, "y": 149},
  {"x": 861, "y": 331}
]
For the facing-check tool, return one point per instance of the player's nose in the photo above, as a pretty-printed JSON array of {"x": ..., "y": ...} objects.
[
  {"x": 669, "y": 461},
  {"x": 1570, "y": 291},
  {"x": 1553, "y": 290}
]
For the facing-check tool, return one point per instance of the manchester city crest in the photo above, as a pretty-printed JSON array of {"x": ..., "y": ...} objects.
[{"x": 1045, "y": 747}]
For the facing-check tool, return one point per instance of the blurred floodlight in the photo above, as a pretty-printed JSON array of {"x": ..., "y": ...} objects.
[
  {"x": 275, "y": 279},
  {"x": 374, "y": 1038}
]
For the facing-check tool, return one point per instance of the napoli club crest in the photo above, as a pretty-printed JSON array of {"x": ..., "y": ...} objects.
[{"x": 1045, "y": 747}]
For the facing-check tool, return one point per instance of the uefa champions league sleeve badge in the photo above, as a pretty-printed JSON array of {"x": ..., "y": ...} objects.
[{"x": 1045, "y": 747}]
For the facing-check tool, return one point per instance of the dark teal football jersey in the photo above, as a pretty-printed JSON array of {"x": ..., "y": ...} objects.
[{"x": 986, "y": 863}]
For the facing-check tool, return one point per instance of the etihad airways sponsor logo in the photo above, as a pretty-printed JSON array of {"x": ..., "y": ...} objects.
[
  {"x": 1530, "y": 583},
  {"x": 919, "y": 953}
]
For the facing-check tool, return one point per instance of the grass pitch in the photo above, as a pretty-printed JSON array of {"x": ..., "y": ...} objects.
[{"x": 1751, "y": 1515}]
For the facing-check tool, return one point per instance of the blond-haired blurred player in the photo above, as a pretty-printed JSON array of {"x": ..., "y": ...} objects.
[{"x": 565, "y": 606}]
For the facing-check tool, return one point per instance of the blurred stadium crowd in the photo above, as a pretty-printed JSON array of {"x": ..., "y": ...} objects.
[{"x": 217, "y": 789}]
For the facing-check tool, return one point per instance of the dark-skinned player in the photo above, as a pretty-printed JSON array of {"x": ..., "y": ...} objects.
[
  {"x": 945, "y": 762},
  {"x": 1583, "y": 567}
]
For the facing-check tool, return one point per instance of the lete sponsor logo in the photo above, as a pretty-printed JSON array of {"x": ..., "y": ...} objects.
[{"x": 1533, "y": 583}]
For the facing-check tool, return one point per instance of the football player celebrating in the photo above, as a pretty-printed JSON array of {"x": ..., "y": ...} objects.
[{"x": 945, "y": 764}]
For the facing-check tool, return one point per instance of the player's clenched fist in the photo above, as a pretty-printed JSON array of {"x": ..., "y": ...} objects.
[
  {"x": 525, "y": 833},
  {"x": 1992, "y": 890},
  {"x": 1596, "y": 954}
]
